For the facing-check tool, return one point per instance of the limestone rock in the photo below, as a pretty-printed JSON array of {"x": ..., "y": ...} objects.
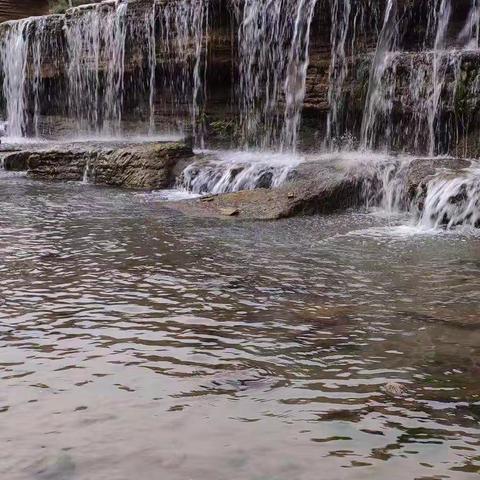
[{"x": 144, "y": 166}]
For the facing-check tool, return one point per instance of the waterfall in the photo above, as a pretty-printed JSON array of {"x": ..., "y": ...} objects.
[
  {"x": 14, "y": 57},
  {"x": 97, "y": 39},
  {"x": 295, "y": 83},
  {"x": 438, "y": 75},
  {"x": 378, "y": 103},
  {"x": 21, "y": 54},
  {"x": 469, "y": 37},
  {"x": 37, "y": 54},
  {"x": 340, "y": 13},
  {"x": 349, "y": 25},
  {"x": 96, "y": 49},
  {"x": 182, "y": 32},
  {"x": 273, "y": 42},
  {"x": 152, "y": 62}
]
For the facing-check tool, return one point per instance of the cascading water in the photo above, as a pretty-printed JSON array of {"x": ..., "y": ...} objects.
[
  {"x": 439, "y": 68},
  {"x": 96, "y": 49},
  {"x": 349, "y": 26},
  {"x": 41, "y": 39},
  {"x": 96, "y": 42},
  {"x": 415, "y": 116},
  {"x": 182, "y": 34},
  {"x": 295, "y": 83},
  {"x": 450, "y": 201},
  {"x": 233, "y": 171},
  {"x": 272, "y": 73},
  {"x": 378, "y": 102},
  {"x": 14, "y": 51}
]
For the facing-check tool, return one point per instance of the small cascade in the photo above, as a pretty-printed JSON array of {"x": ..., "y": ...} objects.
[
  {"x": 273, "y": 42},
  {"x": 156, "y": 53},
  {"x": 469, "y": 37},
  {"x": 384, "y": 183},
  {"x": 152, "y": 65},
  {"x": 450, "y": 200},
  {"x": 295, "y": 83},
  {"x": 414, "y": 89},
  {"x": 439, "y": 68},
  {"x": 38, "y": 48},
  {"x": 232, "y": 172}
]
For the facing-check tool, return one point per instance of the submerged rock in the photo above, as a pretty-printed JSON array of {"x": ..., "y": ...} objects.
[{"x": 394, "y": 389}]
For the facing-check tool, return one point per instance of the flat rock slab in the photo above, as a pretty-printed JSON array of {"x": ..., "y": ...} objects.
[
  {"x": 314, "y": 187},
  {"x": 142, "y": 166}
]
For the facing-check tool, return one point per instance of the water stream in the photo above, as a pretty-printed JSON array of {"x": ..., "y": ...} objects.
[{"x": 135, "y": 339}]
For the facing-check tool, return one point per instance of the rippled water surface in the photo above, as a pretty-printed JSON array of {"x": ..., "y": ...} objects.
[{"x": 137, "y": 343}]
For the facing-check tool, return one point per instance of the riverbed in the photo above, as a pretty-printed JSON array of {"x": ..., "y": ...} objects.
[{"x": 140, "y": 343}]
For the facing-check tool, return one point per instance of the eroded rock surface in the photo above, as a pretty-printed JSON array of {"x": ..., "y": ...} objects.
[
  {"x": 319, "y": 187},
  {"x": 145, "y": 166}
]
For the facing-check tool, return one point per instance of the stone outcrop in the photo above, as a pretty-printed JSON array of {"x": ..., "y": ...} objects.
[
  {"x": 319, "y": 187},
  {"x": 145, "y": 166}
]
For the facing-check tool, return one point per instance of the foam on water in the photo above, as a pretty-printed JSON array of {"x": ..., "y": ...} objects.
[
  {"x": 230, "y": 171},
  {"x": 451, "y": 200}
]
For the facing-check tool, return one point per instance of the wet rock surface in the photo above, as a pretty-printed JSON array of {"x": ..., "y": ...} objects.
[
  {"x": 145, "y": 166},
  {"x": 421, "y": 170},
  {"x": 317, "y": 187},
  {"x": 311, "y": 188}
]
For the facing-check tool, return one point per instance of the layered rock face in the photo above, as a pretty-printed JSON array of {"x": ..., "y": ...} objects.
[
  {"x": 395, "y": 74},
  {"x": 147, "y": 166},
  {"x": 13, "y": 9}
]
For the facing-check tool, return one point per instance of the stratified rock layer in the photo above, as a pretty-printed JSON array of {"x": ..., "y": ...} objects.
[{"x": 145, "y": 166}]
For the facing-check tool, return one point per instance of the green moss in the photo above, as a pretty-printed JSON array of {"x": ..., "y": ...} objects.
[{"x": 222, "y": 128}]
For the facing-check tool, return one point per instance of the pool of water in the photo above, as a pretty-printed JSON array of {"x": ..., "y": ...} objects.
[{"x": 138, "y": 343}]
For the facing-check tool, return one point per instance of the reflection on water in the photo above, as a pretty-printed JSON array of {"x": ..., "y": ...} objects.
[{"x": 137, "y": 340}]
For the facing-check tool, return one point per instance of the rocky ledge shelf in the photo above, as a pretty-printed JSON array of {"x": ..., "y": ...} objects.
[
  {"x": 319, "y": 187},
  {"x": 315, "y": 186},
  {"x": 146, "y": 166}
]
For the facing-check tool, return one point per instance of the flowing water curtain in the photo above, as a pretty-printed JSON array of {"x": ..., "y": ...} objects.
[
  {"x": 183, "y": 48},
  {"x": 469, "y": 37},
  {"x": 273, "y": 41},
  {"x": 22, "y": 52},
  {"x": 379, "y": 99},
  {"x": 296, "y": 74},
  {"x": 350, "y": 22},
  {"x": 96, "y": 48},
  {"x": 140, "y": 77},
  {"x": 14, "y": 51},
  {"x": 39, "y": 49}
]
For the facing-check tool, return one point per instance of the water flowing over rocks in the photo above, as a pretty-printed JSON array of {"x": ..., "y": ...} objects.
[
  {"x": 291, "y": 77},
  {"x": 336, "y": 183}
]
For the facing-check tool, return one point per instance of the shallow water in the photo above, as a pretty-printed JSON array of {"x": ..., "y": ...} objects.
[{"x": 137, "y": 343}]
